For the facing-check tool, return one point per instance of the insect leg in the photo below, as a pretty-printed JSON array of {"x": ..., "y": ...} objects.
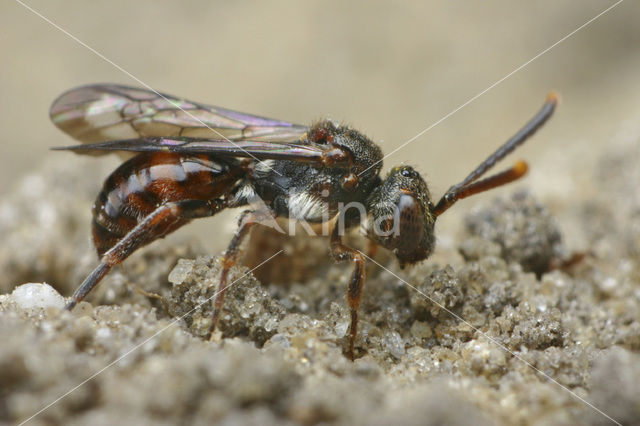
[
  {"x": 248, "y": 218},
  {"x": 156, "y": 225},
  {"x": 342, "y": 252},
  {"x": 372, "y": 250}
]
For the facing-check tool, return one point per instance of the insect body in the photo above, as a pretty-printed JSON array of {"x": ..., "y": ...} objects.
[{"x": 192, "y": 160}]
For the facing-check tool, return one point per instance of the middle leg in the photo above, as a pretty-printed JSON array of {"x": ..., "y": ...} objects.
[{"x": 248, "y": 218}]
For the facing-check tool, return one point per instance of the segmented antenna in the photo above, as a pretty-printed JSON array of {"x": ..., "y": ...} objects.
[{"x": 471, "y": 185}]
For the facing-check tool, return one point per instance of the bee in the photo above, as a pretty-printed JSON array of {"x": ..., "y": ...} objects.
[{"x": 189, "y": 160}]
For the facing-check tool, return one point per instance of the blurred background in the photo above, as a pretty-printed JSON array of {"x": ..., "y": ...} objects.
[{"x": 390, "y": 69}]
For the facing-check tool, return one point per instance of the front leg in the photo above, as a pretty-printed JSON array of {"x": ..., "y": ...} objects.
[{"x": 354, "y": 292}]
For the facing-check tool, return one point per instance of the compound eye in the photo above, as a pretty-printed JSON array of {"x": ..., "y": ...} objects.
[{"x": 408, "y": 219}]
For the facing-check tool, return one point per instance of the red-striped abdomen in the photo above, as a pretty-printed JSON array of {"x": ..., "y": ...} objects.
[{"x": 145, "y": 182}]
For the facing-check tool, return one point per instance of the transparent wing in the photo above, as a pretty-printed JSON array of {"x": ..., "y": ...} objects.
[
  {"x": 261, "y": 150},
  {"x": 106, "y": 112}
]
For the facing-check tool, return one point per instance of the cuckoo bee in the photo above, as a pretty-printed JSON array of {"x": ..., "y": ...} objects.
[{"x": 189, "y": 160}]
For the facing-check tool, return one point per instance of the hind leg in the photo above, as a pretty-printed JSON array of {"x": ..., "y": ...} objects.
[{"x": 162, "y": 221}]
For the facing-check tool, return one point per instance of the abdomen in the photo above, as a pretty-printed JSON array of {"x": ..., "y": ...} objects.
[{"x": 145, "y": 182}]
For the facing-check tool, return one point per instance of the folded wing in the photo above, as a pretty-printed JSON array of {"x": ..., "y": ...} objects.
[
  {"x": 261, "y": 150},
  {"x": 107, "y": 112}
]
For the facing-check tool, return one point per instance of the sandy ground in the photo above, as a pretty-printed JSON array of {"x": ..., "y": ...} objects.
[
  {"x": 528, "y": 345},
  {"x": 508, "y": 326}
]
